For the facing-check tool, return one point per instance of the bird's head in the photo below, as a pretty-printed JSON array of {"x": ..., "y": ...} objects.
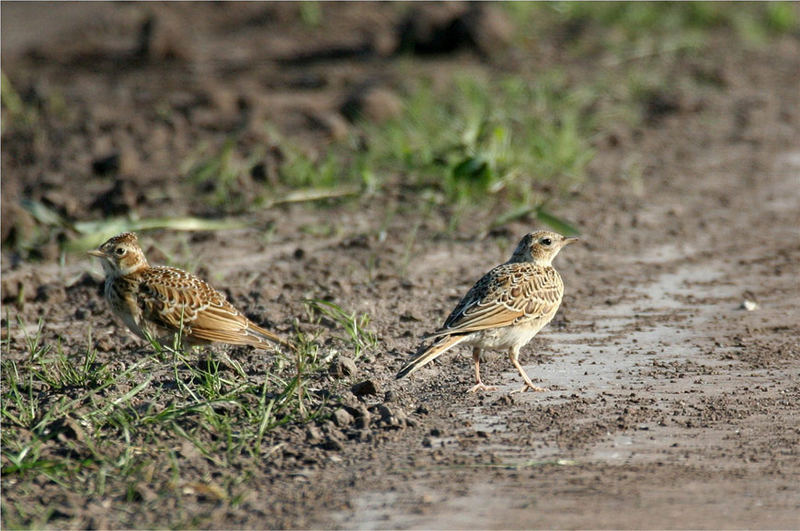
[
  {"x": 121, "y": 255},
  {"x": 540, "y": 247}
]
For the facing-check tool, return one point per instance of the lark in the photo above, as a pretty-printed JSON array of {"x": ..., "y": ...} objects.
[
  {"x": 159, "y": 301},
  {"x": 504, "y": 309}
]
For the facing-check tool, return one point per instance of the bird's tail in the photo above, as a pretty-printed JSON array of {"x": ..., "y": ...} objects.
[
  {"x": 259, "y": 336},
  {"x": 439, "y": 347}
]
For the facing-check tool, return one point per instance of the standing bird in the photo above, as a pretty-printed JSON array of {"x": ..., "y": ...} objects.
[
  {"x": 157, "y": 300},
  {"x": 505, "y": 308}
]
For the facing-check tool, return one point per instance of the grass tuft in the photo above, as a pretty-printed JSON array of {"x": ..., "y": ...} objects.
[
  {"x": 104, "y": 426},
  {"x": 639, "y": 29},
  {"x": 486, "y": 140},
  {"x": 357, "y": 334}
]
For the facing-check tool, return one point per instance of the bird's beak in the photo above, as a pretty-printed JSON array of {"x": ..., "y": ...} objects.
[
  {"x": 96, "y": 252},
  {"x": 571, "y": 239}
]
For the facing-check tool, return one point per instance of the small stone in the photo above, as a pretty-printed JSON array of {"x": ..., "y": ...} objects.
[
  {"x": 342, "y": 367},
  {"x": 332, "y": 445},
  {"x": 342, "y": 418},
  {"x": 392, "y": 417},
  {"x": 385, "y": 413},
  {"x": 367, "y": 387},
  {"x": 143, "y": 493},
  {"x": 363, "y": 419},
  {"x": 749, "y": 305},
  {"x": 104, "y": 344},
  {"x": 107, "y": 164},
  {"x": 373, "y": 103},
  {"x": 408, "y": 317},
  {"x": 313, "y": 434}
]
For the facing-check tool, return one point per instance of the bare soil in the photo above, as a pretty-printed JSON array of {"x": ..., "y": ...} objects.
[{"x": 670, "y": 406}]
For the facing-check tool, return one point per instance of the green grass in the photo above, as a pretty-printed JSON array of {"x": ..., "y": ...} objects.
[
  {"x": 631, "y": 29},
  {"x": 18, "y": 112},
  {"x": 475, "y": 143},
  {"x": 102, "y": 425},
  {"x": 484, "y": 140},
  {"x": 357, "y": 335},
  {"x": 311, "y": 13}
]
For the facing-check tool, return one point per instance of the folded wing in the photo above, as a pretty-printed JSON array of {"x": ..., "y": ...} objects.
[
  {"x": 173, "y": 298},
  {"x": 505, "y": 296}
]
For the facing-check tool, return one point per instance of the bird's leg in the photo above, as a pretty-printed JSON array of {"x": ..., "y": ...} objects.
[
  {"x": 513, "y": 354},
  {"x": 480, "y": 386}
]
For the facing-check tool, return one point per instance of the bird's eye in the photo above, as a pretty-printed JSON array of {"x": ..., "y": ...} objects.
[
  {"x": 546, "y": 241},
  {"x": 120, "y": 251}
]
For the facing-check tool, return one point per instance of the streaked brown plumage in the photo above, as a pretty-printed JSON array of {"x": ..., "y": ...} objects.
[
  {"x": 505, "y": 308},
  {"x": 164, "y": 299}
]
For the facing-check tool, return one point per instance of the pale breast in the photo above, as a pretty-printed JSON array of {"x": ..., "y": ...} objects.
[{"x": 121, "y": 296}]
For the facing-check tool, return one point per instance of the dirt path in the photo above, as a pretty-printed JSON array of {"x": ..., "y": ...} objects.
[{"x": 670, "y": 406}]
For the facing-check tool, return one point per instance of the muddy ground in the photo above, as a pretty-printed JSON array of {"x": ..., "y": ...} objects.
[{"x": 669, "y": 405}]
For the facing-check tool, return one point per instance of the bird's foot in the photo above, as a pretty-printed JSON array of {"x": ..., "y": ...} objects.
[
  {"x": 480, "y": 386},
  {"x": 532, "y": 387}
]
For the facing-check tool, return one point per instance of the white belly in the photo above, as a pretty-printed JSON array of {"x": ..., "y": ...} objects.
[{"x": 506, "y": 337}]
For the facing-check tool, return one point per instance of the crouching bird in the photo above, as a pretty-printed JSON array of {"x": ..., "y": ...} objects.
[
  {"x": 504, "y": 309},
  {"x": 158, "y": 301}
]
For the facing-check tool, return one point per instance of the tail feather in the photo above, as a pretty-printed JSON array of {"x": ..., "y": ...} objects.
[
  {"x": 439, "y": 347},
  {"x": 258, "y": 335}
]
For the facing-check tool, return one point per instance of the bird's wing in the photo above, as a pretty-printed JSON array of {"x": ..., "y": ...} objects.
[
  {"x": 506, "y": 295},
  {"x": 172, "y": 298}
]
